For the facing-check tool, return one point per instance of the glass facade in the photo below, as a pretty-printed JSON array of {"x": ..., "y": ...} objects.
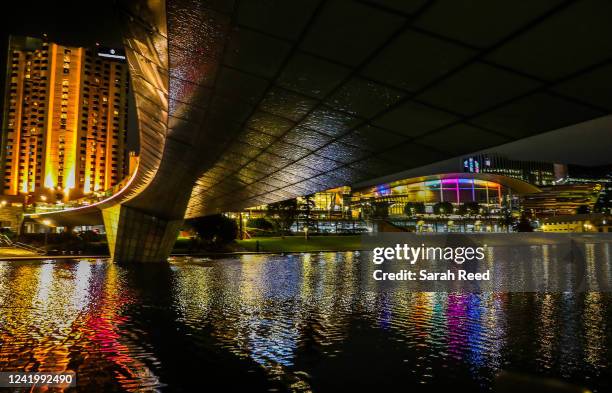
[
  {"x": 345, "y": 210},
  {"x": 453, "y": 190},
  {"x": 538, "y": 173}
]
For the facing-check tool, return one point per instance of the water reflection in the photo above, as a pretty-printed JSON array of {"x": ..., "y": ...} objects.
[
  {"x": 310, "y": 322},
  {"x": 68, "y": 317}
]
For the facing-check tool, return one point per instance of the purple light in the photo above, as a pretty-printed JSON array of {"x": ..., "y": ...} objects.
[
  {"x": 456, "y": 180},
  {"x": 383, "y": 190}
]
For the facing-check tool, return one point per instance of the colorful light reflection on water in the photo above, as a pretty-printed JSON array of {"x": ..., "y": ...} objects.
[{"x": 308, "y": 322}]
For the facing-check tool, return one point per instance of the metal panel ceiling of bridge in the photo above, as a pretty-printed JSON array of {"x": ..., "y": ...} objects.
[{"x": 275, "y": 99}]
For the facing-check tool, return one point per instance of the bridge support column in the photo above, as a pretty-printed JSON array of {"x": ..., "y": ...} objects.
[{"x": 134, "y": 236}]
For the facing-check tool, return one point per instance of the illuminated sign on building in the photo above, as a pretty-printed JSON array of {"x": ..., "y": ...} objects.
[
  {"x": 112, "y": 54},
  {"x": 471, "y": 165},
  {"x": 534, "y": 172}
]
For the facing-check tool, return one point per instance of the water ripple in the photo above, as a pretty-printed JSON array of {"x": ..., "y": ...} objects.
[{"x": 286, "y": 323}]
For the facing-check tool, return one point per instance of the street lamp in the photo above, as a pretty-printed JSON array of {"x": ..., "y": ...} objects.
[
  {"x": 47, "y": 223},
  {"x": 24, "y": 206}
]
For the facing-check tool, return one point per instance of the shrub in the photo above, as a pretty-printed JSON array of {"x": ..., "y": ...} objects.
[
  {"x": 216, "y": 229},
  {"x": 260, "y": 223}
]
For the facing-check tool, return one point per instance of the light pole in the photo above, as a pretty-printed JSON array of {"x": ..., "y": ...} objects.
[
  {"x": 26, "y": 197},
  {"x": 240, "y": 226},
  {"x": 47, "y": 223}
]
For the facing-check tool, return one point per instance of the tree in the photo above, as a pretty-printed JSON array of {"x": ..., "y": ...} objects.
[
  {"x": 506, "y": 219},
  {"x": 283, "y": 213},
  {"x": 412, "y": 209},
  {"x": 305, "y": 211},
  {"x": 443, "y": 208},
  {"x": 603, "y": 205},
  {"x": 380, "y": 209},
  {"x": 215, "y": 229},
  {"x": 583, "y": 209},
  {"x": 523, "y": 225},
  {"x": 89, "y": 236},
  {"x": 375, "y": 210},
  {"x": 260, "y": 223},
  {"x": 469, "y": 209}
]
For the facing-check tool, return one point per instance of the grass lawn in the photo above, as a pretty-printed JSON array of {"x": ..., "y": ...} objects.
[{"x": 299, "y": 244}]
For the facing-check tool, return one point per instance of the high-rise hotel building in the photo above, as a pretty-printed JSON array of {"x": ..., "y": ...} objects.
[{"x": 65, "y": 119}]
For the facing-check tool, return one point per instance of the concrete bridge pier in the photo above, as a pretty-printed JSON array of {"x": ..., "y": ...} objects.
[{"x": 135, "y": 236}]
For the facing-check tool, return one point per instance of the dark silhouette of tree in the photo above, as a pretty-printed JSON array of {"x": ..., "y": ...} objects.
[
  {"x": 89, "y": 236},
  {"x": 260, "y": 223},
  {"x": 216, "y": 229},
  {"x": 305, "y": 211},
  {"x": 506, "y": 219},
  {"x": 583, "y": 209},
  {"x": 375, "y": 210},
  {"x": 603, "y": 205},
  {"x": 523, "y": 225},
  {"x": 380, "y": 209},
  {"x": 469, "y": 209},
  {"x": 413, "y": 209},
  {"x": 443, "y": 209},
  {"x": 283, "y": 214}
]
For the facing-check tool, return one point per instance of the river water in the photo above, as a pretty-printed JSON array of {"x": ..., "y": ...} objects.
[{"x": 301, "y": 322}]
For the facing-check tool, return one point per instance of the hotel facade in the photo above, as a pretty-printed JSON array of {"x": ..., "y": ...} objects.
[{"x": 64, "y": 130}]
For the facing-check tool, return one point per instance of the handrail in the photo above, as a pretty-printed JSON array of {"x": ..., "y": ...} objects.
[
  {"x": 5, "y": 241},
  {"x": 29, "y": 247}
]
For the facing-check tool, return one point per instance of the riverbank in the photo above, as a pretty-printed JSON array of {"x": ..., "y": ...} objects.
[
  {"x": 14, "y": 252},
  {"x": 298, "y": 244},
  {"x": 301, "y": 244},
  {"x": 267, "y": 245}
]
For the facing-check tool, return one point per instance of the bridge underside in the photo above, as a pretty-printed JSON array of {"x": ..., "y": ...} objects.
[{"x": 246, "y": 103}]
